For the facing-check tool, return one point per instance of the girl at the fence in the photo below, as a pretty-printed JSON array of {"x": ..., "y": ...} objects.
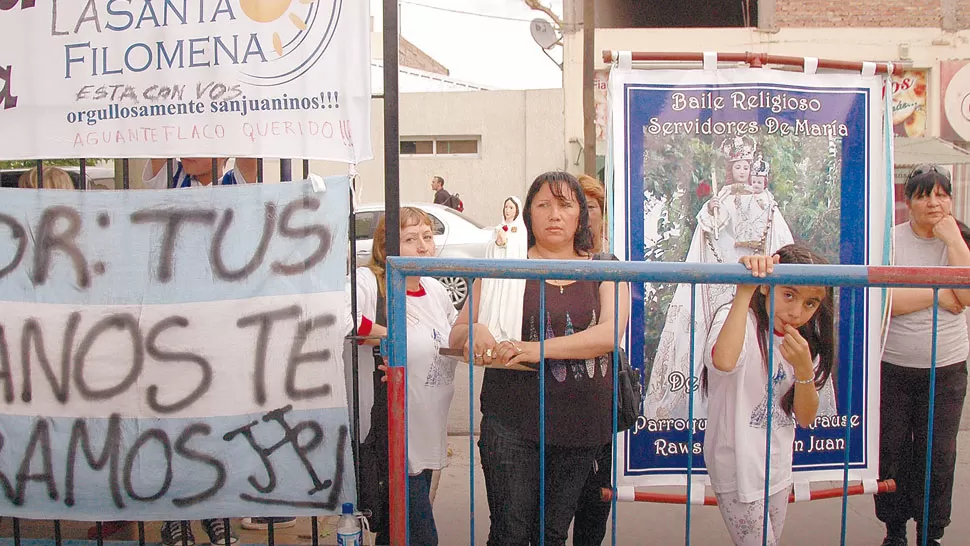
[
  {"x": 735, "y": 377},
  {"x": 430, "y": 381}
]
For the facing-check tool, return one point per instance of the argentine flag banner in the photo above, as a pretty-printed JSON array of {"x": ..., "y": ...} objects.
[{"x": 174, "y": 355}]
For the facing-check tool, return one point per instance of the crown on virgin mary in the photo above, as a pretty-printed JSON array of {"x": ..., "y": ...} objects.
[
  {"x": 760, "y": 167},
  {"x": 738, "y": 148}
]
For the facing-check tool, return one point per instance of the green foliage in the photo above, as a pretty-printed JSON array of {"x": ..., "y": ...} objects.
[
  {"x": 805, "y": 181},
  {"x": 30, "y": 163}
]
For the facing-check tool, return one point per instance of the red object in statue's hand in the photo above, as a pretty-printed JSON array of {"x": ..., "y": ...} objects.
[{"x": 505, "y": 228}]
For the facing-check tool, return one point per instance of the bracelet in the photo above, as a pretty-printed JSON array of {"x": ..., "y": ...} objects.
[{"x": 805, "y": 381}]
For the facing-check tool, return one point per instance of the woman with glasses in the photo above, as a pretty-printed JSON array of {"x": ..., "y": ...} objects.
[{"x": 931, "y": 238}]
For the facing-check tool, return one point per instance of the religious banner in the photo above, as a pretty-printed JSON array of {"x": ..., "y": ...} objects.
[
  {"x": 185, "y": 78},
  {"x": 174, "y": 355},
  {"x": 711, "y": 166}
]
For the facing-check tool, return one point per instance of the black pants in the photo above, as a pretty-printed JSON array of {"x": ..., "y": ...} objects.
[
  {"x": 510, "y": 463},
  {"x": 592, "y": 514},
  {"x": 904, "y": 413}
]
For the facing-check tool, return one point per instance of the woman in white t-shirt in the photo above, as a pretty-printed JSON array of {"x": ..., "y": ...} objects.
[
  {"x": 735, "y": 378},
  {"x": 430, "y": 378}
]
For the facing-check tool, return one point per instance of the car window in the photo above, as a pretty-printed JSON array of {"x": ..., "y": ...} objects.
[
  {"x": 102, "y": 183},
  {"x": 9, "y": 179},
  {"x": 365, "y": 223},
  {"x": 436, "y": 225}
]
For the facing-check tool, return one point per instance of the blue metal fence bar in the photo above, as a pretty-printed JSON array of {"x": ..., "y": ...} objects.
[
  {"x": 929, "y": 425},
  {"x": 542, "y": 413},
  {"x": 848, "y": 424},
  {"x": 469, "y": 305},
  {"x": 858, "y": 276},
  {"x": 690, "y": 412},
  {"x": 616, "y": 405},
  {"x": 770, "y": 411}
]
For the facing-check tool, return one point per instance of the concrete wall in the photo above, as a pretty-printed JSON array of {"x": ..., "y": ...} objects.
[{"x": 521, "y": 135}]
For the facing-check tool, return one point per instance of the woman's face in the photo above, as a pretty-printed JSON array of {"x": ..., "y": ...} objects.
[
  {"x": 595, "y": 217},
  {"x": 929, "y": 209},
  {"x": 740, "y": 171},
  {"x": 509, "y": 210},
  {"x": 554, "y": 221},
  {"x": 417, "y": 241}
]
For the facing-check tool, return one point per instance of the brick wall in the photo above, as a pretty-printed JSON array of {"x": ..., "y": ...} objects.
[
  {"x": 411, "y": 56},
  {"x": 866, "y": 13}
]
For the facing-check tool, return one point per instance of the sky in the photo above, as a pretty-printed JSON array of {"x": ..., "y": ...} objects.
[{"x": 489, "y": 44}]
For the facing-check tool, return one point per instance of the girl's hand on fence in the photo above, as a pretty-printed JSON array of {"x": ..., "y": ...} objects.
[
  {"x": 796, "y": 351},
  {"x": 484, "y": 349},
  {"x": 760, "y": 266},
  {"x": 383, "y": 368},
  {"x": 950, "y": 302}
]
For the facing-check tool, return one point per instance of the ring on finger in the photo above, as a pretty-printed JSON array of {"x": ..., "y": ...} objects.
[{"x": 488, "y": 353}]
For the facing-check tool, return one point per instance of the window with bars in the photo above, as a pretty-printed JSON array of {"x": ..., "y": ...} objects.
[{"x": 465, "y": 146}]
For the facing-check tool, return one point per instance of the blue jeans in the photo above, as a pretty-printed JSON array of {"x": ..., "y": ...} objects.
[
  {"x": 420, "y": 516},
  {"x": 511, "y": 466}
]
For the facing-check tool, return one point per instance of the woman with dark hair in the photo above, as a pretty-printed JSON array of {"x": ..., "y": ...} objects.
[
  {"x": 798, "y": 341},
  {"x": 579, "y": 335},
  {"x": 931, "y": 237}
]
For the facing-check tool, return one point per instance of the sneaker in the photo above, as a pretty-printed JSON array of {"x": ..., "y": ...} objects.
[
  {"x": 172, "y": 534},
  {"x": 260, "y": 524},
  {"x": 218, "y": 532},
  {"x": 894, "y": 540}
]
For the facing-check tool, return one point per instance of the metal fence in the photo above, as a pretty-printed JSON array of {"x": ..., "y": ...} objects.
[{"x": 844, "y": 276}]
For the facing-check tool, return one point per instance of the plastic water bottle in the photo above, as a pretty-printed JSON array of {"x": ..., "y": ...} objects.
[{"x": 348, "y": 528}]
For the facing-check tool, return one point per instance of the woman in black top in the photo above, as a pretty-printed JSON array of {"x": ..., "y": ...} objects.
[{"x": 579, "y": 334}]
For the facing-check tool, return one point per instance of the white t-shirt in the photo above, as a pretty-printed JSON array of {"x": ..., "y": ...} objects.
[
  {"x": 431, "y": 377},
  {"x": 182, "y": 180},
  {"x": 734, "y": 443}
]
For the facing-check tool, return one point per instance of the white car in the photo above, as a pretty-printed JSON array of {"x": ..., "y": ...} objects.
[
  {"x": 455, "y": 236},
  {"x": 98, "y": 178}
]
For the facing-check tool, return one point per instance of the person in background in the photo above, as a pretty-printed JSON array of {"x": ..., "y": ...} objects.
[
  {"x": 430, "y": 381},
  {"x": 54, "y": 179},
  {"x": 192, "y": 172},
  {"x": 592, "y": 514},
  {"x": 579, "y": 331},
  {"x": 931, "y": 238},
  {"x": 441, "y": 195}
]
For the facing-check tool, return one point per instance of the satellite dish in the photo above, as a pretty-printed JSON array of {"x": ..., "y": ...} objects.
[{"x": 543, "y": 33}]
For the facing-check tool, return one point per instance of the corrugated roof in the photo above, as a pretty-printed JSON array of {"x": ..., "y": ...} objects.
[{"x": 419, "y": 81}]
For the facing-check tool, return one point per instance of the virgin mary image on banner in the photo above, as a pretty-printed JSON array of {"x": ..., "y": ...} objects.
[{"x": 741, "y": 218}]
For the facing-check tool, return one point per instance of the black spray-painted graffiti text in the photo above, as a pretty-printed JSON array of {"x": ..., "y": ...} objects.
[
  {"x": 58, "y": 235},
  {"x": 193, "y": 458}
]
